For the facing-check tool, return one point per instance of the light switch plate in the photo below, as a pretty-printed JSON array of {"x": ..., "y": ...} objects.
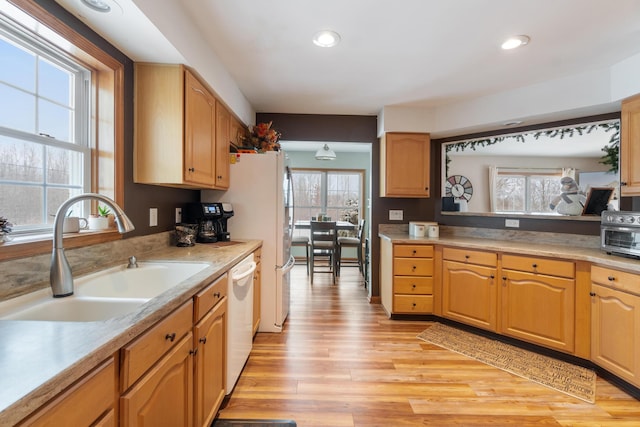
[
  {"x": 153, "y": 217},
  {"x": 396, "y": 214}
]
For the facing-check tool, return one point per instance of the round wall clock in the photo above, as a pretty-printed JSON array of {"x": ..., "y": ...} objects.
[{"x": 458, "y": 186}]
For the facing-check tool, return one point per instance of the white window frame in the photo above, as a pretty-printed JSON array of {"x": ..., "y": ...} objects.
[{"x": 82, "y": 138}]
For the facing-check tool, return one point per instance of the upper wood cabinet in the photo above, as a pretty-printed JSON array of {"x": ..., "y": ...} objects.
[
  {"x": 630, "y": 147},
  {"x": 404, "y": 165},
  {"x": 176, "y": 119}
]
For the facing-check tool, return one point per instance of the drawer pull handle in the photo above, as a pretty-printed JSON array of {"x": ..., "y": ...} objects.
[
  {"x": 611, "y": 278},
  {"x": 534, "y": 265},
  {"x": 467, "y": 257},
  {"x": 414, "y": 268},
  {"x": 216, "y": 294},
  {"x": 203, "y": 340},
  {"x": 170, "y": 337}
]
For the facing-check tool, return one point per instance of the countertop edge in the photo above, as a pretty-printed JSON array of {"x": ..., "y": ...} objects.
[{"x": 594, "y": 256}]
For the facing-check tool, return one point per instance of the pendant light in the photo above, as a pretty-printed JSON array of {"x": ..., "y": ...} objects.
[{"x": 325, "y": 153}]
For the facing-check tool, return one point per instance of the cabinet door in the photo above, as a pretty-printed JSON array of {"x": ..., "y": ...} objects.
[
  {"x": 404, "y": 165},
  {"x": 163, "y": 396},
  {"x": 615, "y": 332},
  {"x": 200, "y": 134},
  {"x": 223, "y": 129},
  {"x": 539, "y": 309},
  {"x": 630, "y": 147},
  {"x": 469, "y": 294},
  {"x": 210, "y": 338}
]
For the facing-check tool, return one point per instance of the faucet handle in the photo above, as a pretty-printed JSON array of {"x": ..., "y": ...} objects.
[{"x": 133, "y": 262}]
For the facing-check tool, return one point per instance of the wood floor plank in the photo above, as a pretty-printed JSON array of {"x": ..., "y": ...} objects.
[{"x": 341, "y": 362}]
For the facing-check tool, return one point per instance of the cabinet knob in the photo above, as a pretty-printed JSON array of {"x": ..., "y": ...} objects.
[
  {"x": 426, "y": 188},
  {"x": 593, "y": 294},
  {"x": 414, "y": 252},
  {"x": 216, "y": 294},
  {"x": 170, "y": 337},
  {"x": 467, "y": 257},
  {"x": 191, "y": 169},
  {"x": 193, "y": 351},
  {"x": 413, "y": 268},
  {"x": 203, "y": 340},
  {"x": 623, "y": 183},
  {"x": 492, "y": 276},
  {"x": 413, "y": 285},
  {"x": 611, "y": 279},
  {"x": 534, "y": 265}
]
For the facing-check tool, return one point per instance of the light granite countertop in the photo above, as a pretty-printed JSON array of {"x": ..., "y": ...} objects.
[
  {"x": 40, "y": 359},
  {"x": 567, "y": 251}
]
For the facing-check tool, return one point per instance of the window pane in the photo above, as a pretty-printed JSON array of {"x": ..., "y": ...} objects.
[
  {"x": 54, "y": 120},
  {"x": 21, "y": 204},
  {"x": 64, "y": 167},
  {"x": 510, "y": 194},
  {"x": 54, "y": 83},
  {"x": 22, "y": 71},
  {"x": 541, "y": 190},
  {"x": 56, "y": 197},
  {"x": 17, "y": 109},
  {"x": 21, "y": 161}
]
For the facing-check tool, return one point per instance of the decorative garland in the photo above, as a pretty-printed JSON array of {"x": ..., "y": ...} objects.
[{"x": 612, "y": 149}]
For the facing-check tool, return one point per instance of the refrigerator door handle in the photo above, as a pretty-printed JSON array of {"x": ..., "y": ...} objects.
[{"x": 288, "y": 266}]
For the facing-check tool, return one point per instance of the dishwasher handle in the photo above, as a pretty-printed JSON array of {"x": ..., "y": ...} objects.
[{"x": 250, "y": 270}]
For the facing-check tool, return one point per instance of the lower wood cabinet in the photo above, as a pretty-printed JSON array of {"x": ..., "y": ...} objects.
[
  {"x": 88, "y": 402},
  {"x": 615, "y": 322},
  {"x": 210, "y": 343},
  {"x": 407, "y": 281},
  {"x": 164, "y": 395},
  {"x": 469, "y": 287},
  {"x": 538, "y": 301}
]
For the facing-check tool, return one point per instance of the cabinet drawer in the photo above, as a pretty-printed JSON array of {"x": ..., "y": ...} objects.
[
  {"x": 418, "y": 285},
  {"x": 550, "y": 267},
  {"x": 474, "y": 257},
  {"x": 418, "y": 304},
  {"x": 206, "y": 299},
  {"x": 144, "y": 351},
  {"x": 616, "y": 279},
  {"x": 413, "y": 251},
  {"x": 413, "y": 266},
  {"x": 83, "y": 403}
]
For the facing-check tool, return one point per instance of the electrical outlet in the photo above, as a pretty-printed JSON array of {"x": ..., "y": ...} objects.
[
  {"x": 396, "y": 214},
  {"x": 178, "y": 215},
  {"x": 153, "y": 217},
  {"x": 513, "y": 223}
]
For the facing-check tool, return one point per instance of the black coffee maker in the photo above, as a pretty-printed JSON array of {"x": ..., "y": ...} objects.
[
  {"x": 227, "y": 212},
  {"x": 208, "y": 217}
]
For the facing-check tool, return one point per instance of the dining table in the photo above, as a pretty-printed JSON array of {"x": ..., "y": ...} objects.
[{"x": 340, "y": 225}]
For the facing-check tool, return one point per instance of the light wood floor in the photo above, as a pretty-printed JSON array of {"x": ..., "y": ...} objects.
[{"x": 341, "y": 362}]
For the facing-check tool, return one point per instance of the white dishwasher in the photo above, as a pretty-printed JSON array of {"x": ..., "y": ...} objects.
[{"x": 239, "y": 319}]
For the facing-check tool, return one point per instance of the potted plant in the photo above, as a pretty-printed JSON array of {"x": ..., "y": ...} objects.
[
  {"x": 5, "y": 230},
  {"x": 100, "y": 221}
]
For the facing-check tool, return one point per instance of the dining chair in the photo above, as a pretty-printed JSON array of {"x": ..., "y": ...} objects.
[
  {"x": 324, "y": 245},
  {"x": 302, "y": 241},
  {"x": 353, "y": 242}
]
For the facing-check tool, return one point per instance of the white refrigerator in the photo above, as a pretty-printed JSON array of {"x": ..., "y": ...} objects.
[{"x": 261, "y": 193}]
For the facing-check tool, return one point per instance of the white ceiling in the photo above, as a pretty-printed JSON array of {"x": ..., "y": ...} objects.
[{"x": 414, "y": 53}]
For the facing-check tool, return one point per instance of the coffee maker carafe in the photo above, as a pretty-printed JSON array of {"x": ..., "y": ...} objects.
[{"x": 207, "y": 216}]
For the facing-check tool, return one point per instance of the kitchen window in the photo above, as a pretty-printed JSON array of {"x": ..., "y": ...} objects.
[
  {"x": 337, "y": 194},
  {"x": 61, "y": 125},
  {"x": 45, "y": 141}
]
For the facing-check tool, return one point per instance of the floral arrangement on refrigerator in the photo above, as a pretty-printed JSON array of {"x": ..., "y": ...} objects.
[{"x": 263, "y": 138}]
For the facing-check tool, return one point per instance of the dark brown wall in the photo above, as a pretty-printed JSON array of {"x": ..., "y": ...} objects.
[{"x": 138, "y": 198}]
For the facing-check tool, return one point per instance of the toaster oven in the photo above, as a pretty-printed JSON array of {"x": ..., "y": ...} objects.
[{"x": 620, "y": 233}]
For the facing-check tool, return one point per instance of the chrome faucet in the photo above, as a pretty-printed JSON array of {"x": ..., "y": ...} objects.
[
  {"x": 60, "y": 274},
  {"x": 133, "y": 262}
]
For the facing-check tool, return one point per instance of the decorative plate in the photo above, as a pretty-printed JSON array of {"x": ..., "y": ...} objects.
[{"x": 458, "y": 186}]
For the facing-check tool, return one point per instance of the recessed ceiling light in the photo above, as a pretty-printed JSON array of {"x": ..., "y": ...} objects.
[
  {"x": 513, "y": 123},
  {"x": 515, "y": 41},
  {"x": 97, "y": 5},
  {"x": 326, "y": 38}
]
